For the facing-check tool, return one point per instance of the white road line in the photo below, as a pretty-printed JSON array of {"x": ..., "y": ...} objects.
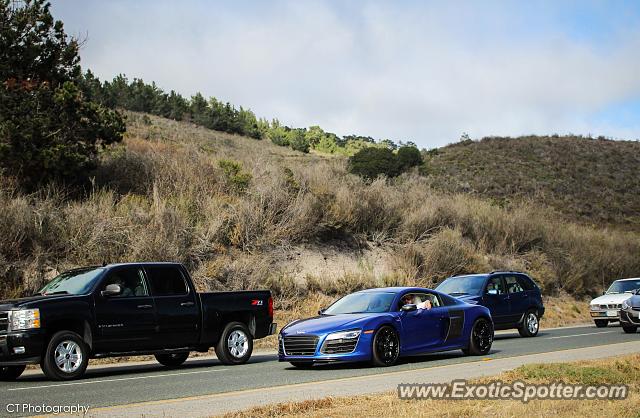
[
  {"x": 580, "y": 335},
  {"x": 116, "y": 380}
]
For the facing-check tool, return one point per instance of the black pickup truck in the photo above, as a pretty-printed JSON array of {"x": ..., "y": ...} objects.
[{"x": 127, "y": 309}]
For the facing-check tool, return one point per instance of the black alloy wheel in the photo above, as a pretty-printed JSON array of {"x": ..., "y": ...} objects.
[{"x": 386, "y": 347}]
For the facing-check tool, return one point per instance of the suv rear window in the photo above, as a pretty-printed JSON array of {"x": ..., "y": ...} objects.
[
  {"x": 525, "y": 282},
  {"x": 166, "y": 280}
]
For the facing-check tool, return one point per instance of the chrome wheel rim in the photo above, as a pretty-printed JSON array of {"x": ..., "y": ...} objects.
[
  {"x": 238, "y": 343},
  {"x": 532, "y": 323},
  {"x": 68, "y": 356},
  {"x": 483, "y": 336},
  {"x": 387, "y": 345}
]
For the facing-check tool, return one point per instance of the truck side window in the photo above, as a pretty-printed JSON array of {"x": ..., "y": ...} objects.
[
  {"x": 166, "y": 281},
  {"x": 131, "y": 282}
]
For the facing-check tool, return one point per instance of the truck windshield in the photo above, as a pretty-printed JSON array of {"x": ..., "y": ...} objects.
[
  {"x": 621, "y": 286},
  {"x": 74, "y": 282},
  {"x": 367, "y": 302},
  {"x": 462, "y": 285}
]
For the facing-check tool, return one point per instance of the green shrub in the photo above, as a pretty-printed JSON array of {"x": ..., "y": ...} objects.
[
  {"x": 237, "y": 179},
  {"x": 298, "y": 141},
  {"x": 409, "y": 156},
  {"x": 372, "y": 162}
]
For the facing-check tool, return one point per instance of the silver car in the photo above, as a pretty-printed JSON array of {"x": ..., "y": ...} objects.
[{"x": 630, "y": 313}]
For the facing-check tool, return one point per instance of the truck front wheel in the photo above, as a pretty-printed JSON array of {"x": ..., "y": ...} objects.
[
  {"x": 66, "y": 356},
  {"x": 235, "y": 345}
]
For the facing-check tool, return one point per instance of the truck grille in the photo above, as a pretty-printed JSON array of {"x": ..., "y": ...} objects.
[
  {"x": 4, "y": 321},
  {"x": 300, "y": 345},
  {"x": 339, "y": 346},
  {"x": 611, "y": 306}
]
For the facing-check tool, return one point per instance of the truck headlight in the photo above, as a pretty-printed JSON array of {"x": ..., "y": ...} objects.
[
  {"x": 24, "y": 319},
  {"x": 344, "y": 335},
  {"x": 595, "y": 307},
  {"x": 625, "y": 305}
]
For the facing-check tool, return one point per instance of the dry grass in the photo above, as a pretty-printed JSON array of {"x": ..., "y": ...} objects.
[
  {"x": 163, "y": 195},
  {"x": 621, "y": 370}
]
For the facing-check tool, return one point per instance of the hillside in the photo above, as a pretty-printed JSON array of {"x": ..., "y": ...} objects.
[
  {"x": 593, "y": 181},
  {"x": 246, "y": 213}
]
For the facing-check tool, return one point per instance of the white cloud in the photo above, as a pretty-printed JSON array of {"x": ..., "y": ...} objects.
[{"x": 390, "y": 70}]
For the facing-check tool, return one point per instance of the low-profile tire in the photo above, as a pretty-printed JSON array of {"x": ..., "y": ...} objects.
[
  {"x": 301, "y": 364},
  {"x": 173, "y": 359},
  {"x": 235, "y": 345},
  {"x": 66, "y": 356},
  {"x": 480, "y": 339},
  {"x": 530, "y": 324},
  {"x": 10, "y": 373},
  {"x": 629, "y": 329},
  {"x": 601, "y": 323},
  {"x": 385, "y": 348}
]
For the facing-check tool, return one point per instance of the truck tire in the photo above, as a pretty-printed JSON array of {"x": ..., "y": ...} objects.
[
  {"x": 601, "y": 323},
  {"x": 66, "y": 356},
  {"x": 172, "y": 360},
  {"x": 235, "y": 345},
  {"x": 10, "y": 373},
  {"x": 629, "y": 329}
]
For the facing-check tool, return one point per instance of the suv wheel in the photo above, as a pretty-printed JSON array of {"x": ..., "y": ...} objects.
[
  {"x": 601, "y": 323},
  {"x": 530, "y": 324},
  {"x": 9, "y": 373},
  {"x": 66, "y": 356},
  {"x": 235, "y": 345}
]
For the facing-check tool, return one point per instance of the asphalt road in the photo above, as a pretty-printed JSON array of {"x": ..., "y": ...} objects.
[{"x": 105, "y": 386}]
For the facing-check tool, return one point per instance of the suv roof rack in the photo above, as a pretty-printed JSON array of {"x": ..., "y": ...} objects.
[{"x": 506, "y": 271}]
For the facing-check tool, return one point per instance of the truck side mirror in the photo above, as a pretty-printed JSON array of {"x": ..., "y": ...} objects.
[{"x": 111, "y": 290}]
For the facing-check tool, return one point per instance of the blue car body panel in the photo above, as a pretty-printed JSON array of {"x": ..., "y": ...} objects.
[{"x": 443, "y": 328}]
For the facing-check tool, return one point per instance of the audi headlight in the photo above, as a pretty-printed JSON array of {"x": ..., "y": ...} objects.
[
  {"x": 24, "y": 319},
  {"x": 625, "y": 305},
  {"x": 344, "y": 335}
]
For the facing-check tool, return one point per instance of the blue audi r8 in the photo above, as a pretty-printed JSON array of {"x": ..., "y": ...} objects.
[{"x": 380, "y": 325}]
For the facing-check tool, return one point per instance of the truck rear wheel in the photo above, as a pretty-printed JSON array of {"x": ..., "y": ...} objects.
[
  {"x": 66, "y": 356},
  {"x": 10, "y": 373},
  {"x": 235, "y": 345},
  {"x": 172, "y": 360}
]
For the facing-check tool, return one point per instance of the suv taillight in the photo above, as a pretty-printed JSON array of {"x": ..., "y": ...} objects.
[{"x": 270, "y": 306}]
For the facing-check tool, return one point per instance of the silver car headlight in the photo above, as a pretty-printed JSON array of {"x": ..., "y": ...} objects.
[
  {"x": 24, "y": 319},
  {"x": 344, "y": 335},
  {"x": 625, "y": 305}
]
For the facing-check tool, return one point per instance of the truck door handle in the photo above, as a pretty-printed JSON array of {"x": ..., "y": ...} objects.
[
  {"x": 187, "y": 304},
  {"x": 145, "y": 306}
]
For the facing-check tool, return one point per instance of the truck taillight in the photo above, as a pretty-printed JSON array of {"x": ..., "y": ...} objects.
[{"x": 270, "y": 306}]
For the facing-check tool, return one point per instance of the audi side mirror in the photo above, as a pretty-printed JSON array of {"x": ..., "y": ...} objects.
[
  {"x": 111, "y": 290},
  {"x": 321, "y": 311},
  {"x": 408, "y": 307}
]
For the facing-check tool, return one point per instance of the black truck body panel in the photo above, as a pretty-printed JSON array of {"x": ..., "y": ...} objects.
[{"x": 139, "y": 324}]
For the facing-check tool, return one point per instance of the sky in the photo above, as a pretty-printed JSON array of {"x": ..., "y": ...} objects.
[{"x": 416, "y": 71}]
